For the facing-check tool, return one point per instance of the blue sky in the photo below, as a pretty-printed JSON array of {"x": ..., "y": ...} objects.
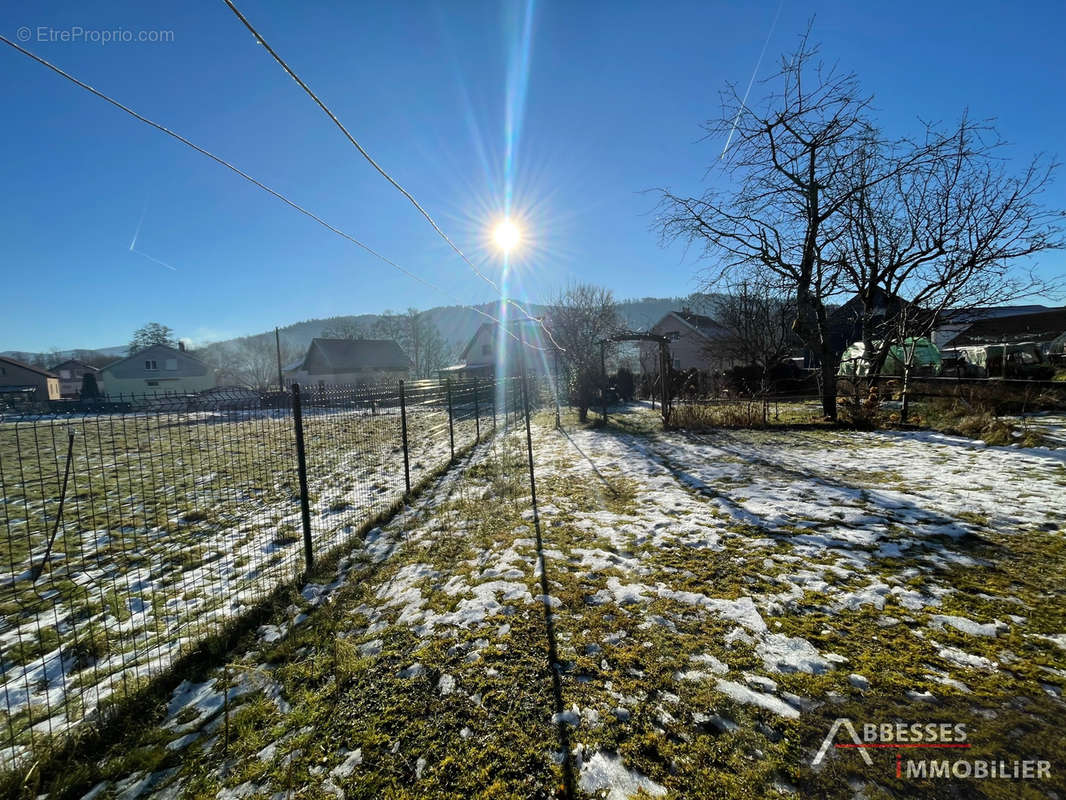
[{"x": 599, "y": 101}]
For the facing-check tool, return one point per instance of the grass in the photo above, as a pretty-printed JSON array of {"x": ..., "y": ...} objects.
[
  {"x": 619, "y": 662},
  {"x": 962, "y": 419},
  {"x": 743, "y": 414},
  {"x": 194, "y": 516}
]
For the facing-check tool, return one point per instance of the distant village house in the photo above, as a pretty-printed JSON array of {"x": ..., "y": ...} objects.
[
  {"x": 696, "y": 342},
  {"x": 158, "y": 369},
  {"x": 1046, "y": 329},
  {"x": 71, "y": 376},
  {"x": 22, "y": 382},
  {"x": 483, "y": 356},
  {"x": 339, "y": 362}
]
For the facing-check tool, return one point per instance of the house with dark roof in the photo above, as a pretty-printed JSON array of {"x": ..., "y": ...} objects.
[
  {"x": 1047, "y": 329},
  {"x": 491, "y": 352},
  {"x": 884, "y": 311},
  {"x": 696, "y": 342},
  {"x": 336, "y": 362},
  {"x": 71, "y": 375},
  {"x": 159, "y": 369},
  {"x": 955, "y": 322},
  {"x": 22, "y": 382}
]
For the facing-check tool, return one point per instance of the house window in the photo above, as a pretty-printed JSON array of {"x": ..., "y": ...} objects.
[
  {"x": 149, "y": 364},
  {"x": 677, "y": 363},
  {"x": 64, "y": 374},
  {"x": 486, "y": 349},
  {"x": 172, "y": 363},
  {"x": 152, "y": 383}
]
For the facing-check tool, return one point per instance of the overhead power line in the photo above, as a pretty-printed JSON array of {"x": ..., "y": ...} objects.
[
  {"x": 362, "y": 150},
  {"x": 260, "y": 184}
]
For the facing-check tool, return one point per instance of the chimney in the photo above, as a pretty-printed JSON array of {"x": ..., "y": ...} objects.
[{"x": 181, "y": 345}]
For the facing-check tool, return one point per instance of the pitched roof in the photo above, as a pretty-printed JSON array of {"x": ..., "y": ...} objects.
[
  {"x": 702, "y": 324},
  {"x": 1041, "y": 327},
  {"x": 15, "y": 362},
  {"x": 73, "y": 362},
  {"x": 346, "y": 355},
  {"x": 533, "y": 334},
  {"x": 701, "y": 321},
  {"x": 143, "y": 350},
  {"x": 993, "y": 312}
]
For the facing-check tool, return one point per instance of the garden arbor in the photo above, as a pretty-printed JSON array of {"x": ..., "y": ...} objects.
[{"x": 664, "y": 365}]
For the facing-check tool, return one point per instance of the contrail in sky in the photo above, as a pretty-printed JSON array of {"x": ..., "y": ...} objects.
[
  {"x": 155, "y": 260},
  {"x": 137, "y": 232},
  {"x": 744, "y": 102},
  {"x": 133, "y": 244}
]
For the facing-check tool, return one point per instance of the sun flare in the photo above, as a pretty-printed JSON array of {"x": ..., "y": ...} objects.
[{"x": 506, "y": 235}]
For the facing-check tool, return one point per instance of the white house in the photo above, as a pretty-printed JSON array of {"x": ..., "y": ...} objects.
[
  {"x": 695, "y": 343},
  {"x": 159, "y": 369}
]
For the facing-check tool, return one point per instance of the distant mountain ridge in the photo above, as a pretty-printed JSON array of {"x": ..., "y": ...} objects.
[{"x": 456, "y": 324}]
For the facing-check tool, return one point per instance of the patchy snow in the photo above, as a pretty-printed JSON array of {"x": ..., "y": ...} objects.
[
  {"x": 713, "y": 664},
  {"x": 993, "y": 628},
  {"x": 790, "y": 654},
  {"x": 605, "y": 771},
  {"x": 711, "y": 551},
  {"x": 190, "y": 574},
  {"x": 742, "y": 694},
  {"x": 348, "y": 765}
]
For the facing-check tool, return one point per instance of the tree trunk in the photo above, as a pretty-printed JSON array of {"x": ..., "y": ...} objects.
[
  {"x": 829, "y": 362},
  {"x": 829, "y": 386},
  {"x": 812, "y": 326}
]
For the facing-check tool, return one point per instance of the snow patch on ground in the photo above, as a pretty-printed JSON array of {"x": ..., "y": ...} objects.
[{"x": 605, "y": 771}]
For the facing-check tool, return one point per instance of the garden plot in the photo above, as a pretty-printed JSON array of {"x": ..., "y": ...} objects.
[
  {"x": 172, "y": 525},
  {"x": 716, "y": 602}
]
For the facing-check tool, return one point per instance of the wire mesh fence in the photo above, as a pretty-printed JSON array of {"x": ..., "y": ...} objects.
[{"x": 135, "y": 529}]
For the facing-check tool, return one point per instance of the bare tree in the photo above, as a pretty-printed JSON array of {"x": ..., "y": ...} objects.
[
  {"x": 433, "y": 351},
  {"x": 946, "y": 233},
  {"x": 250, "y": 361},
  {"x": 340, "y": 328},
  {"x": 423, "y": 343},
  {"x": 391, "y": 325},
  {"x": 579, "y": 319},
  {"x": 793, "y": 162},
  {"x": 757, "y": 319}
]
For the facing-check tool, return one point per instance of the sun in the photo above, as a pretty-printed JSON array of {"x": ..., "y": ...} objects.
[{"x": 506, "y": 235}]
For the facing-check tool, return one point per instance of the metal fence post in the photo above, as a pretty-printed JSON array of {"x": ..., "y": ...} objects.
[
  {"x": 555, "y": 389},
  {"x": 403, "y": 429},
  {"x": 301, "y": 465},
  {"x": 451, "y": 427},
  {"x": 524, "y": 386},
  {"x": 477, "y": 415},
  {"x": 36, "y": 571},
  {"x": 495, "y": 384}
]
